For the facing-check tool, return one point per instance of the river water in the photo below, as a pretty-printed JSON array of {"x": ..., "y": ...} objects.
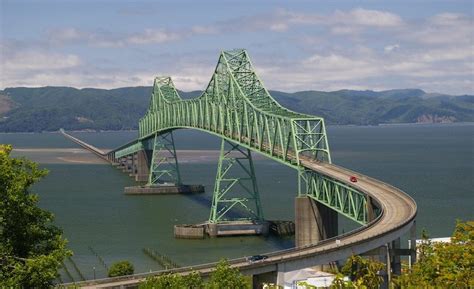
[{"x": 432, "y": 163}]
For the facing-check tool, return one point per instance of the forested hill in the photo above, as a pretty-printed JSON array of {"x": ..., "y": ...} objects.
[{"x": 51, "y": 108}]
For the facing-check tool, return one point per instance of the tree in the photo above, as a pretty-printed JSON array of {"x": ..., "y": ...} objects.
[
  {"x": 227, "y": 277},
  {"x": 121, "y": 268},
  {"x": 173, "y": 281},
  {"x": 31, "y": 247},
  {"x": 223, "y": 276},
  {"x": 362, "y": 272},
  {"x": 447, "y": 265}
]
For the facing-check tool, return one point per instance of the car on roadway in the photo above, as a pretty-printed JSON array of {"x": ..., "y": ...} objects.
[
  {"x": 353, "y": 179},
  {"x": 256, "y": 258}
]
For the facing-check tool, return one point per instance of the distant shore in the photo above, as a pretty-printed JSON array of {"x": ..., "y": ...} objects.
[
  {"x": 81, "y": 156},
  {"x": 329, "y": 125}
]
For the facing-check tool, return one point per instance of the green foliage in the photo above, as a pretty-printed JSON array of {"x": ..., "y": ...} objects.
[
  {"x": 224, "y": 276},
  {"x": 31, "y": 248},
  {"x": 52, "y": 108},
  {"x": 275, "y": 286},
  {"x": 227, "y": 277},
  {"x": 446, "y": 265},
  {"x": 364, "y": 271},
  {"x": 305, "y": 285},
  {"x": 363, "y": 274},
  {"x": 121, "y": 268},
  {"x": 173, "y": 281}
]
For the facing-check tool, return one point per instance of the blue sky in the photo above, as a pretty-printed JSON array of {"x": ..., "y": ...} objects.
[{"x": 294, "y": 45}]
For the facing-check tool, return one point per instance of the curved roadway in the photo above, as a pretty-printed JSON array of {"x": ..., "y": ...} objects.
[{"x": 398, "y": 212}]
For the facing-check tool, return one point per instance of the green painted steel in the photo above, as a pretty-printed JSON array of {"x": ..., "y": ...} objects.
[
  {"x": 340, "y": 197},
  {"x": 129, "y": 150},
  {"x": 235, "y": 187},
  {"x": 164, "y": 168},
  {"x": 237, "y": 107}
]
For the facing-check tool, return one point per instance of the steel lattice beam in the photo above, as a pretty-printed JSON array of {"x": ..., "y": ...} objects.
[
  {"x": 164, "y": 166},
  {"x": 236, "y": 186},
  {"x": 237, "y": 107}
]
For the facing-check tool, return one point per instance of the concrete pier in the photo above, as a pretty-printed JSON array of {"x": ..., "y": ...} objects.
[
  {"x": 189, "y": 231},
  {"x": 313, "y": 222},
  {"x": 142, "y": 166},
  {"x": 164, "y": 190},
  {"x": 237, "y": 228},
  {"x": 282, "y": 228},
  {"x": 224, "y": 229}
]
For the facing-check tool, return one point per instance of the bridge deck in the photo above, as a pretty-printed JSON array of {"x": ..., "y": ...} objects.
[
  {"x": 398, "y": 214},
  {"x": 237, "y": 107}
]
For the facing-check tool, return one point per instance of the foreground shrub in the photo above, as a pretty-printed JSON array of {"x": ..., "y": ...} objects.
[{"x": 121, "y": 268}]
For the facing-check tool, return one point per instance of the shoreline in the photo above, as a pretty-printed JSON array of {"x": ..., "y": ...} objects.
[{"x": 82, "y": 156}]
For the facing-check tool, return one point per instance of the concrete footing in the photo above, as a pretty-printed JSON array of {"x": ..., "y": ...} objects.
[
  {"x": 141, "y": 178},
  {"x": 189, "y": 231},
  {"x": 164, "y": 190},
  {"x": 282, "y": 228},
  {"x": 237, "y": 228},
  {"x": 232, "y": 228}
]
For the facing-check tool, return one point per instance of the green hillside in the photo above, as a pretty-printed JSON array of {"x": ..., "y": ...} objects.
[{"x": 51, "y": 108}]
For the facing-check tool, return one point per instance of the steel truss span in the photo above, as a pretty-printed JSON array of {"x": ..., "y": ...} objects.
[{"x": 236, "y": 107}]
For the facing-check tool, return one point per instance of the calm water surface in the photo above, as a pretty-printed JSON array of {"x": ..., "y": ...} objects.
[{"x": 432, "y": 163}]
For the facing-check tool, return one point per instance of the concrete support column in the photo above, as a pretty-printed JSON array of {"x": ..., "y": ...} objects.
[
  {"x": 276, "y": 277},
  {"x": 129, "y": 163},
  {"x": 132, "y": 171},
  {"x": 370, "y": 209},
  {"x": 412, "y": 258},
  {"x": 142, "y": 167},
  {"x": 281, "y": 275},
  {"x": 396, "y": 263},
  {"x": 313, "y": 222},
  {"x": 386, "y": 273},
  {"x": 259, "y": 279},
  {"x": 123, "y": 163}
]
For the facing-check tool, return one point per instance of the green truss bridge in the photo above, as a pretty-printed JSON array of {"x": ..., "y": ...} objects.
[{"x": 237, "y": 108}]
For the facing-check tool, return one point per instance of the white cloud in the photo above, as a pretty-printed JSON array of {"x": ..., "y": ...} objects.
[
  {"x": 365, "y": 17},
  {"x": 278, "y": 27},
  {"x": 447, "y": 19},
  {"x": 442, "y": 29},
  {"x": 199, "y": 29},
  {"x": 450, "y": 53},
  {"x": 358, "y": 48},
  {"x": 101, "y": 38},
  {"x": 153, "y": 36},
  {"x": 32, "y": 60},
  {"x": 66, "y": 34},
  {"x": 390, "y": 48},
  {"x": 23, "y": 67},
  {"x": 345, "y": 30},
  {"x": 339, "y": 22}
]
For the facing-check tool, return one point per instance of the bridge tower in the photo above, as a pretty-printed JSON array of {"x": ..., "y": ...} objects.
[
  {"x": 236, "y": 202},
  {"x": 164, "y": 168}
]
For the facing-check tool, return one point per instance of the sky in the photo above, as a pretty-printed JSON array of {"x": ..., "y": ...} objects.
[{"x": 294, "y": 45}]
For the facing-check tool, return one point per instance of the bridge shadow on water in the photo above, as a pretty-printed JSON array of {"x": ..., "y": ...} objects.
[
  {"x": 276, "y": 242},
  {"x": 206, "y": 201}
]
